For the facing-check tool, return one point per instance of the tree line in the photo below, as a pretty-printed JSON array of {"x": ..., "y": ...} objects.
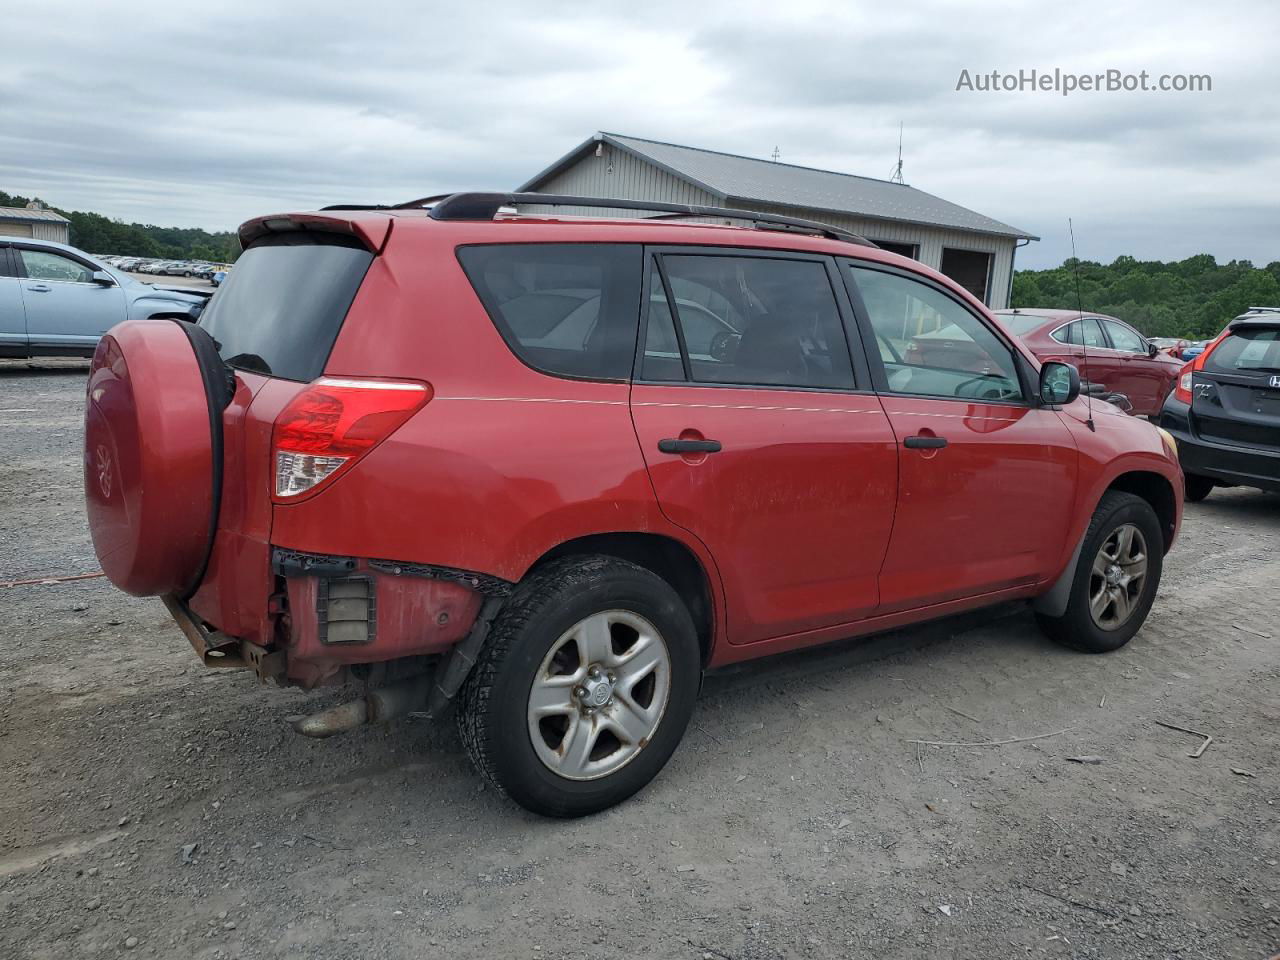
[
  {"x": 95, "y": 233},
  {"x": 1192, "y": 298}
]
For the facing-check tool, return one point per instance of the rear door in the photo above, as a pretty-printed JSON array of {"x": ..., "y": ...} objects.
[
  {"x": 986, "y": 479},
  {"x": 65, "y": 308},
  {"x": 1236, "y": 394},
  {"x": 762, "y": 436},
  {"x": 13, "y": 317}
]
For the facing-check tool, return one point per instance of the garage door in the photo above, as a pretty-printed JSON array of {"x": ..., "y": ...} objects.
[
  {"x": 15, "y": 229},
  {"x": 969, "y": 268}
]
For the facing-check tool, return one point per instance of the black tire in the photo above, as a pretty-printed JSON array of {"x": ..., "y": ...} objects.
[
  {"x": 1197, "y": 487},
  {"x": 492, "y": 714},
  {"x": 1076, "y": 627}
]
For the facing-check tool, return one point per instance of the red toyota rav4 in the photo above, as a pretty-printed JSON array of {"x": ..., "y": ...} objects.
[{"x": 555, "y": 468}]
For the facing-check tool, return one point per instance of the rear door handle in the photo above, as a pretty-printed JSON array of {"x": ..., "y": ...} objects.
[
  {"x": 672, "y": 445},
  {"x": 39, "y": 288},
  {"x": 925, "y": 443}
]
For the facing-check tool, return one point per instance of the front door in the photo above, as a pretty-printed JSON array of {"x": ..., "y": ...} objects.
[
  {"x": 65, "y": 308},
  {"x": 761, "y": 435},
  {"x": 1144, "y": 379},
  {"x": 986, "y": 479},
  {"x": 13, "y": 318}
]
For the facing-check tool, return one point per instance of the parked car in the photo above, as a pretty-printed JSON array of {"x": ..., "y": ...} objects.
[
  {"x": 1225, "y": 411},
  {"x": 1119, "y": 357},
  {"x": 178, "y": 268},
  {"x": 1192, "y": 350},
  {"x": 401, "y": 452},
  {"x": 56, "y": 300}
]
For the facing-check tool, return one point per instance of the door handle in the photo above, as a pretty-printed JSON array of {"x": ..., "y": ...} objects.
[
  {"x": 924, "y": 443},
  {"x": 672, "y": 445},
  {"x": 39, "y": 288}
]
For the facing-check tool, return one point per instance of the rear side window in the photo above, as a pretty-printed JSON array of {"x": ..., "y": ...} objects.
[
  {"x": 567, "y": 309},
  {"x": 280, "y": 309},
  {"x": 756, "y": 321},
  {"x": 1246, "y": 351}
]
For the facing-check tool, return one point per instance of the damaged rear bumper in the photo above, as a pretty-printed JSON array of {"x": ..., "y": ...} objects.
[{"x": 327, "y": 613}]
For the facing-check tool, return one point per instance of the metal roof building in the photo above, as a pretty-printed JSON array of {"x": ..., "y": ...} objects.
[
  {"x": 972, "y": 249},
  {"x": 35, "y": 221}
]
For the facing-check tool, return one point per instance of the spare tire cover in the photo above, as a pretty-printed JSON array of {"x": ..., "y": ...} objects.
[{"x": 152, "y": 452}]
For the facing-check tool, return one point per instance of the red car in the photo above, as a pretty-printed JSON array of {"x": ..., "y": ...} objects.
[
  {"x": 555, "y": 469},
  {"x": 1119, "y": 358}
]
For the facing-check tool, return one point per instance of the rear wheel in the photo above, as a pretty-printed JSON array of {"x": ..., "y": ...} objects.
[
  {"x": 1197, "y": 487},
  {"x": 1116, "y": 577},
  {"x": 585, "y": 688}
]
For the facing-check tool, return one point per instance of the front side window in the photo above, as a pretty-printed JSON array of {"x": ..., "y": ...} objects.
[
  {"x": 43, "y": 265},
  {"x": 940, "y": 348},
  {"x": 1122, "y": 338},
  {"x": 568, "y": 309},
  {"x": 755, "y": 321}
]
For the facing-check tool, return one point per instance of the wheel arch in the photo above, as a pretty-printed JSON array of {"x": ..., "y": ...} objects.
[
  {"x": 1153, "y": 487},
  {"x": 665, "y": 556},
  {"x": 1156, "y": 489}
]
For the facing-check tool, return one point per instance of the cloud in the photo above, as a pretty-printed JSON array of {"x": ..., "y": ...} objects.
[{"x": 210, "y": 115}]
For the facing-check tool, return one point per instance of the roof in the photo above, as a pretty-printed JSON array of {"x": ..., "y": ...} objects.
[
  {"x": 29, "y": 215},
  {"x": 731, "y": 177}
]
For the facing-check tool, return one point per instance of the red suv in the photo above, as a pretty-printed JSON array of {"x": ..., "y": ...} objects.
[{"x": 553, "y": 469}]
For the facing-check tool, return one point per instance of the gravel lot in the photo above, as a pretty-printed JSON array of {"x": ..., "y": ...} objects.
[{"x": 793, "y": 822}]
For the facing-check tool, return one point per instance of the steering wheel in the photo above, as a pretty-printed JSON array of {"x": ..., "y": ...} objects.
[
  {"x": 994, "y": 393},
  {"x": 722, "y": 344}
]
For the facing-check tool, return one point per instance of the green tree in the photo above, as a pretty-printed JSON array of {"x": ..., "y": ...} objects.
[
  {"x": 96, "y": 233},
  {"x": 1191, "y": 298}
]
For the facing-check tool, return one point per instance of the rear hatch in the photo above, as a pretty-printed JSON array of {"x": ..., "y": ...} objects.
[
  {"x": 1236, "y": 394},
  {"x": 274, "y": 322}
]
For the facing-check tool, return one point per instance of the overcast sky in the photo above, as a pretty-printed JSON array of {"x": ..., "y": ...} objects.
[{"x": 209, "y": 115}]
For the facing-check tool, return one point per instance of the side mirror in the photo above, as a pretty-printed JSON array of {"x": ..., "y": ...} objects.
[
  {"x": 102, "y": 278},
  {"x": 1152, "y": 349},
  {"x": 1059, "y": 383}
]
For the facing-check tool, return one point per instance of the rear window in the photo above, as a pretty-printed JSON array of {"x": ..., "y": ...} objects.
[
  {"x": 568, "y": 309},
  {"x": 280, "y": 309},
  {"x": 1020, "y": 324},
  {"x": 1247, "y": 351}
]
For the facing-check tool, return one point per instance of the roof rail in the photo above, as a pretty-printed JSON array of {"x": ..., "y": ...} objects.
[
  {"x": 485, "y": 206},
  {"x": 1263, "y": 310}
]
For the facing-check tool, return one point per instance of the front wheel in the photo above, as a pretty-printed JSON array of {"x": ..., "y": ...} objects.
[
  {"x": 1197, "y": 487},
  {"x": 1116, "y": 577},
  {"x": 585, "y": 687}
]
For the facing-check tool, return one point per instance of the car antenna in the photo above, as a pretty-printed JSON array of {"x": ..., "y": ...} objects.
[{"x": 1084, "y": 341}]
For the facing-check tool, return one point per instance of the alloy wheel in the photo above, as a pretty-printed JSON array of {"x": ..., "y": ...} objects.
[
  {"x": 599, "y": 695},
  {"x": 1117, "y": 578}
]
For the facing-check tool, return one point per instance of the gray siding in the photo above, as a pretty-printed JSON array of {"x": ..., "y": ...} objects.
[
  {"x": 635, "y": 179},
  {"x": 49, "y": 231}
]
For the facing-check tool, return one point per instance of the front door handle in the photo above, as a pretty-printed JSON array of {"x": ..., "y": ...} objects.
[
  {"x": 672, "y": 445},
  {"x": 924, "y": 443}
]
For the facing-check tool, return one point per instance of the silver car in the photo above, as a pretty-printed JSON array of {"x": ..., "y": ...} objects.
[{"x": 56, "y": 300}]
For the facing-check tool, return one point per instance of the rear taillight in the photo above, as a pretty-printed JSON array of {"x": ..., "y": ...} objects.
[
  {"x": 1187, "y": 375},
  {"x": 1183, "y": 388},
  {"x": 334, "y": 422}
]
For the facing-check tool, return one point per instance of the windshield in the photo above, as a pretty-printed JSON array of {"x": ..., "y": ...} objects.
[
  {"x": 1021, "y": 323},
  {"x": 1245, "y": 350},
  {"x": 280, "y": 310}
]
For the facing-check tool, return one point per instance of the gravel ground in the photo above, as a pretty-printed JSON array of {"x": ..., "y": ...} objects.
[{"x": 154, "y": 808}]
